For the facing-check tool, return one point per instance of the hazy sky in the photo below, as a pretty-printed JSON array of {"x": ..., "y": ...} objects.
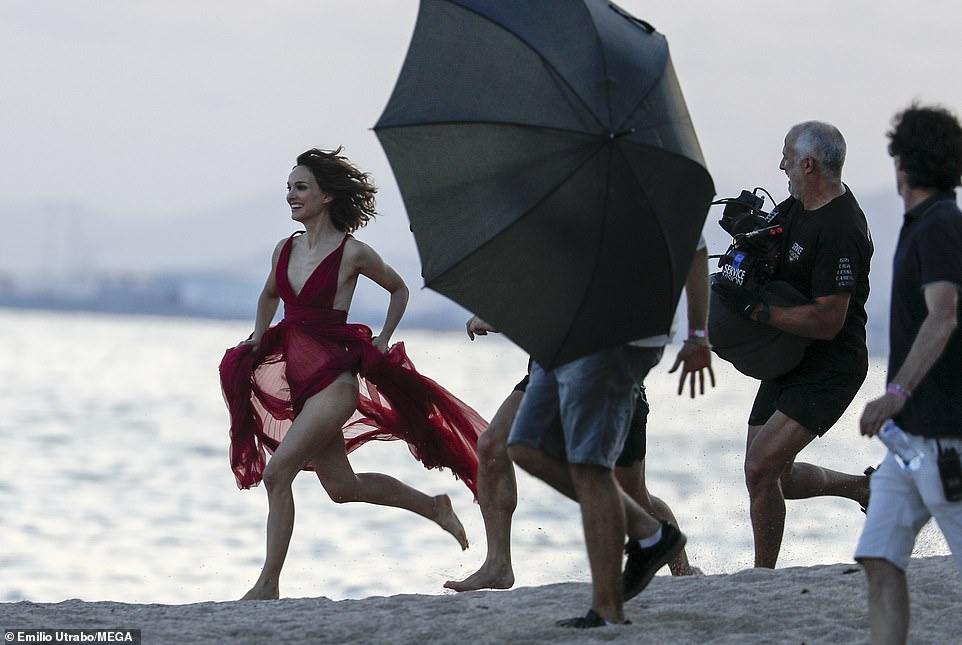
[{"x": 150, "y": 108}]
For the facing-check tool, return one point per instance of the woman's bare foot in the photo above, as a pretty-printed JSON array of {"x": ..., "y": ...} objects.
[
  {"x": 262, "y": 592},
  {"x": 489, "y": 576},
  {"x": 445, "y": 517}
]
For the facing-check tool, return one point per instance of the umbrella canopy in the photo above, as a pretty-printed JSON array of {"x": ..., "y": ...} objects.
[{"x": 549, "y": 168}]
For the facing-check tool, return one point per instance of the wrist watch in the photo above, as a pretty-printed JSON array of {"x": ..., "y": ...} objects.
[{"x": 764, "y": 314}]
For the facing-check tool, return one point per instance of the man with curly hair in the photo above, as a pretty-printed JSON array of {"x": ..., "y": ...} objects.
[{"x": 924, "y": 394}]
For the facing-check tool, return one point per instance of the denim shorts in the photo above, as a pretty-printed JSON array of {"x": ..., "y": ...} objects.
[
  {"x": 903, "y": 501},
  {"x": 581, "y": 411}
]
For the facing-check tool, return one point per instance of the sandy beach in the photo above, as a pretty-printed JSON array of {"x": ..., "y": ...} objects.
[{"x": 818, "y": 604}]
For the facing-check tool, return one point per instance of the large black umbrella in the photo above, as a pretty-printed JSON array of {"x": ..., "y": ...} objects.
[{"x": 549, "y": 168}]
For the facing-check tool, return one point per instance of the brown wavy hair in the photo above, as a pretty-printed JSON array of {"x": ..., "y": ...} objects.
[{"x": 353, "y": 202}]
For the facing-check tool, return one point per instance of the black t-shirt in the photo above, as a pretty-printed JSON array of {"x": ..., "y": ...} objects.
[
  {"x": 929, "y": 250},
  {"x": 824, "y": 252}
]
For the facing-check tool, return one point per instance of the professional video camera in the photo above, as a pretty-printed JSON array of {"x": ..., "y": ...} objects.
[
  {"x": 750, "y": 262},
  {"x": 744, "y": 280}
]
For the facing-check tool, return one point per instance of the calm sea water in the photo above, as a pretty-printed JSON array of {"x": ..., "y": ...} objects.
[{"x": 115, "y": 484}]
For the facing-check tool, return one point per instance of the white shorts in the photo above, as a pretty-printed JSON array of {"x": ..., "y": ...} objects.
[{"x": 903, "y": 501}]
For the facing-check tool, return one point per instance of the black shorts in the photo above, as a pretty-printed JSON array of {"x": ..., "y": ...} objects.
[
  {"x": 636, "y": 443},
  {"x": 815, "y": 399},
  {"x": 522, "y": 384}
]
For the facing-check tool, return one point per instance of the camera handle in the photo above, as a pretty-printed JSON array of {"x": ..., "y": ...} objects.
[{"x": 748, "y": 200}]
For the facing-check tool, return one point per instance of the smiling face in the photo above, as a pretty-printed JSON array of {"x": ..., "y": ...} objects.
[
  {"x": 305, "y": 197},
  {"x": 791, "y": 164}
]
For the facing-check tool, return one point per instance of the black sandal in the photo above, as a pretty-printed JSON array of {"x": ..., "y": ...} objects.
[{"x": 591, "y": 619}]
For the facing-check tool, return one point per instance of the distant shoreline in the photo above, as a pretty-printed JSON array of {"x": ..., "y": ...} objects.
[
  {"x": 30, "y": 303},
  {"x": 430, "y": 321},
  {"x": 412, "y": 320}
]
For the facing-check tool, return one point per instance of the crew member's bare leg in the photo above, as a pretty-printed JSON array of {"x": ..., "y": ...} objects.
[
  {"x": 602, "y": 519},
  {"x": 498, "y": 498},
  {"x": 772, "y": 477},
  {"x": 632, "y": 481},
  {"x": 888, "y": 602}
]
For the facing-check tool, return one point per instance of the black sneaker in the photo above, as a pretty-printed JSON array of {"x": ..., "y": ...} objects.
[
  {"x": 642, "y": 564},
  {"x": 591, "y": 619}
]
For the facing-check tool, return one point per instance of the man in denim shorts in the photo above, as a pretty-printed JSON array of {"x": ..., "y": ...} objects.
[
  {"x": 924, "y": 394},
  {"x": 497, "y": 488},
  {"x": 569, "y": 432}
]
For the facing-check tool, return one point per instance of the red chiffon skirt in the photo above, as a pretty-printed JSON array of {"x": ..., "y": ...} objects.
[{"x": 266, "y": 389}]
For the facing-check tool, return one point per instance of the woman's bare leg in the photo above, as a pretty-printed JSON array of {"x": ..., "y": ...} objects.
[
  {"x": 344, "y": 485},
  {"x": 318, "y": 424}
]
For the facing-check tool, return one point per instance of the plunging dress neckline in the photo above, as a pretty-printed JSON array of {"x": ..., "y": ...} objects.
[{"x": 283, "y": 266}]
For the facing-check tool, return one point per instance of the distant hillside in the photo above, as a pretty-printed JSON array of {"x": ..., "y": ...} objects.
[{"x": 46, "y": 245}]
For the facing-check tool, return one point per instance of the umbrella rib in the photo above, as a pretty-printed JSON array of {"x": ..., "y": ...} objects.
[
  {"x": 548, "y": 63},
  {"x": 594, "y": 268},
  {"x": 633, "y": 110},
  {"x": 665, "y": 151},
  {"x": 599, "y": 247},
  {"x": 658, "y": 221},
  {"x": 604, "y": 68},
  {"x": 604, "y": 63},
  {"x": 534, "y": 206}
]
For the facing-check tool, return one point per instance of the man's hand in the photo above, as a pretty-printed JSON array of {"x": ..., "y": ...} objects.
[
  {"x": 877, "y": 412},
  {"x": 477, "y": 327},
  {"x": 695, "y": 353}
]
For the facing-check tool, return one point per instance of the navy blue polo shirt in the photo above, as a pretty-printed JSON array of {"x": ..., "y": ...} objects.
[{"x": 929, "y": 251}]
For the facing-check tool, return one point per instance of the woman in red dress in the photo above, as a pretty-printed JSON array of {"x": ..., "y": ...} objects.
[{"x": 313, "y": 387}]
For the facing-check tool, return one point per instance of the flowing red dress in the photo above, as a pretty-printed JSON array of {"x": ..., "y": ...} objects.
[{"x": 301, "y": 355}]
